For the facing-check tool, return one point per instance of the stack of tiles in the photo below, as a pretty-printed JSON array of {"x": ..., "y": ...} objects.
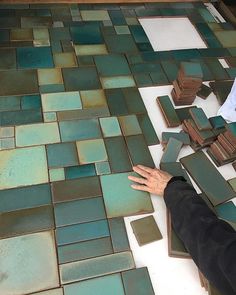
[{"x": 188, "y": 83}]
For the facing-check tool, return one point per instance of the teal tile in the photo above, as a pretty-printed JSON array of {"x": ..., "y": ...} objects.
[
  {"x": 53, "y": 102},
  {"x": 94, "y": 267},
  {"x": 20, "y": 117},
  {"x": 62, "y": 155},
  {"x": 117, "y": 82},
  {"x": 119, "y": 238},
  {"x": 120, "y": 43},
  {"x": 110, "y": 126},
  {"x": 86, "y": 60},
  {"x": 120, "y": 199},
  {"x": 82, "y": 232},
  {"x": 183, "y": 113},
  {"x": 168, "y": 111},
  {"x": 133, "y": 100},
  {"x": 116, "y": 102},
  {"x": 231, "y": 72},
  {"x": 159, "y": 77},
  {"x": 170, "y": 69},
  {"x": 129, "y": 125},
  {"x": 186, "y": 54},
  {"x": 38, "y": 255},
  {"x": 207, "y": 16},
  {"x": 110, "y": 284},
  {"x": 25, "y": 221},
  {"x": 83, "y": 78},
  {"x": 9, "y": 103},
  {"x": 226, "y": 211},
  {"x": 137, "y": 281},
  {"x": 50, "y": 117},
  {"x": 80, "y": 171},
  {"x": 58, "y": 34},
  {"x": 138, "y": 151},
  {"x": 192, "y": 69},
  {"x": 102, "y": 168},
  {"x": 12, "y": 175},
  {"x": 51, "y": 88},
  {"x": 91, "y": 151},
  {"x": 84, "y": 250},
  {"x": 117, "y": 17},
  {"x": 139, "y": 34},
  {"x": 79, "y": 211},
  {"x": 79, "y": 129},
  {"x": 112, "y": 65},
  {"x": 6, "y": 132},
  {"x": 172, "y": 150},
  {"x": 25, "y": 197},
  {"x": 87, "y": 33},
  {"x": 7, "y": 58},
  {"x": 36, "y": 134},
  {"x": 143, "y": 80},
  {"x": 34, "y": 57},
  {"x": 217, "y": 122},
  {"x": 181, "y": 136},
  {"x": 56, "y": 174},
  {"x": 200, "y": 119},
  {"x": 118, "y": 154},
  {"x": 31, "y": 102},
  {"x": 148, "y": 130}
]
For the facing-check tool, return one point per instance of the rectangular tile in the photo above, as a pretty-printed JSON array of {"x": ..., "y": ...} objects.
[
  {"x": 148, "y": 130},
  {"x": 133, "y": 100},
  {"x": 80, "y": 171},
  {"x": 62, "y": 101},
  {"x": 10, "y": 103},
  {"x": 116, "y": 102},
  {"x": 90, "y": 113},
  {"x": 90, "y": 268},
  {"x": 86, "y": 33},
  {"x": 226, "y": 38},
  {"x": 93, "y": 49},
  {"x": 183, "y": 113},
  {"x": 119, "y": 238},
  {"x": 20, "y": 117},
  {"x": 93, "y": 98},
  {"x": 168, "y": 111},
  {"x": 171, "y": 150},
  {"x": 58, "y": 291},
  {"x": 129, "y": 125},
  {"x": 181, "y": 136},
  {"x": 31, "y": 102},
  {"x": 117, "y": 82},
  {"x": 102, "y": 168},
  {"x": 82, "y": 232},
  {"x": 226, "y": 211},
  {"x": 44, "y": 133},
  {"x": 200, "y": 119},
  {"x": 79, "y": 211},
  {"x": 82, "y": 188},
  {"x": 7, "y": 58},
  {"x": 209, "y": 179}
]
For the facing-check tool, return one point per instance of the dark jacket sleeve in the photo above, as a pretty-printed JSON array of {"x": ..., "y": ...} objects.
[{"x": 210, "y": 241}]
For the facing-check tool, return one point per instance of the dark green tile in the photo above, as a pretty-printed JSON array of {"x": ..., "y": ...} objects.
[
  {"x": 208, "y": 179},
  {"x": 138, "y": 282},
  {"x": 119, "y": 238},
  {"x": 9, "y": 103},
  {"x": 213, "y": 43},
  {"x": 34, "y": 57},
  {"x": 120, "y": 44},
  {"x": 30, "y": 102},
  {"x": 183, "y": 113},
  {"x": 36, "y": 22},
  {"x": 204, "y": 92},
  {"x": 181, "y": 136},
  {"x": 226, "y": 211},
  {"x": 200, "y": 119},
  {"x": 207, "y": 74},
  {"x": 116, "y": 102},
  {"x": 231, "y": 72},
  {"x": 134, "y": 58},
  {"x": 139, "y": 151},
  {"x": 170, "y": 69},
  {"x": 221, "y": 89},
  {"x": 4, "y": 35},
  {"x": 51, "y": 88},
  {"x": 86, "y": 60},
  {"x": 26, "y": 197},
  {"x": 80, "y": 171},
  {"x": 168, "y": 111},
  {"x": 216, "y": 69},
  {"x": 192, "y": 69},
  {"x": 217, "y": 122},
  {"x": 186, "y": 54},
  {"x": 20, "y": 117},
  {"x": 143, "y": 80},
  {"x": 7, "y": 58},
  {"x": 79, "y": 211},
  {"x": 143, "y": 12},
  {"x": 214, "y": 52},
  {"x": 87, "y": 33},
  {"x": 147, "y": 129},
  {"x": 117, "y": 154},
  {"x": 159, "y": 77},
  {"x": 139, "y": 34},
  {"x": 165, "y": 55},
  {"x": 117, "y": 17},
  {"x": 80, "y": 78},
  {"x": 26, "y": 221},
  {"x": 146, "y": 68},
  {"x": 81, "y": 188},
  {"x": 133, "y": 100},
  {"x": 204, "y": 30},
  {"x": 231, "y": 61},
  {"x": 171, "y": 151},
  {"x": 175, "y": 169},
  {"x": 82, "y": 232}
]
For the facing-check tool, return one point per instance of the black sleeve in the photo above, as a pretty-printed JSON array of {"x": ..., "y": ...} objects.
[{"x": 210, "y": 241}]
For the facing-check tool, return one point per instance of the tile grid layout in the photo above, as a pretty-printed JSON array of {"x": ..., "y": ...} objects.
[{"x": 72, "y": 124}]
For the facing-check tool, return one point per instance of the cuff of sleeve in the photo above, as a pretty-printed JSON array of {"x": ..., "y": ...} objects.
[{"x": 176, "y": 178}]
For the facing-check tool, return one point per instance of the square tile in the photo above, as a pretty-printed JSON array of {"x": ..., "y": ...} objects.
[
  {"x": 31, "y": 102},
  {"x": 50, "y": 117},
  {"x": 7, "y": 132},
  {"x": 119, "y": 238},
  {"x": 61, "y": 101},
  {"x": 110, "y": 127},
  {"x": 49, "y": 76},
  {"x": 129, "y": 125},
  {"x": 38, "y": 255},
  {"x": 91, "y": 151},
  {"x": 93, "y": 98},
  {"x": 89, "y": 33},
  {"x": 120, "y": 199},
  {"x": 102, "y": 168},
  {"x": 64, "y": 59},
  {"x": 80, "y": 171},
  {"x": 41, "y": 34},
  {"x": 21, "y": 34}
]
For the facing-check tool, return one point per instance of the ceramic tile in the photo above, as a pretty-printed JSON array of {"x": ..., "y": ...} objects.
[
  {"x": 175, "y": 169},
  {"x": 138, "y": 151},
  {"x": 84, "y": 250},
  {"x": 216, "y": 68},
  {"x": 20, "y": 117},
  {"x": 101, "y": 286},
  {"x": 217, "y": 122},
  {"x": 79, "y": 211},
  {"x": 117, "y": 154},
  {"x": 82, "y": 232},
  {"x": 209, "y": 179},
  {"x": 64, "y": 60},
  {"x": 93, "y": 98},
  {"x": 7, "y": 143},
  {"x": 85, "y": 60},
  {"x": 25, "y": 221},
  {"x": 50, "y": 117},
  {"x": 139, "y": 34},
  {"x": 34, "y": 57},
  {"x": 132, "y": 21},
  {"x": 122, "y": 30},
  {"x": 93, "y": 49},
  {"x": 120, "y": 199},
  {"x": 181, "y": 136},
  {"x": 94, "y": 267},
  {"x": 120, "y": 43},
  {"x": 172, "y": 150},
  {"x": 33, "y": 173},
  {"x": 31, "y": 102},
  {"x": 183, "y": 113},
  {"x": 37, "y": 253},
  {"x": 116, "y": 102},
  {"x": 41, "y": 34},
  {"x": 226, "y": 38},
  {"x": 94, "y": 15},
  {"x": 147, "y": 129},
  {"x": 168, "y": 111},
  {"x": 21, "y": 34},
  {"x": 61, "y": 101},
  {"x": 200, "y": 119},
  {"x": 170, "y": 69},
  {"x": 137, "y": 281},
  {"x": 58, "y": 291},
  {"x": 80, "y": 171},
  {"x": 227, "y": 211},
  {"x": 36, "y": 134},
  {"x": 51, "y": 88},
  {"x": 119, "y": 236},
  {"x": 25, "y": 82},
  {"x": 36, "y": 22},
  {"x": 117, "y": 82},
  {"x": 81, "y": 188},
  {"x": 88, "y": 33},
  {"x": 80, "y": 78},
  {"x": 117, "y": 17},
  {"x": 7, "y": 58},
  {"x": 49, "y": 76},
  {"x": 133, "y": 100},
  {"x": 75, "y": 129},
  {"x": 9, "y": 103},
  {"x": 143, "y": 80},
  {"x": 56, "y": 174},
  {"x": 7, "y": 132},
  {"x": 204, "y": 92},
  {"x": 129, "y": 125},
  {"x": 102, "y": 168},
  {"x": 110, "y": 127}
]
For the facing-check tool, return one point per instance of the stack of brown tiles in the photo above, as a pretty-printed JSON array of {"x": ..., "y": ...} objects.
[{"x": 188, "y": 83}]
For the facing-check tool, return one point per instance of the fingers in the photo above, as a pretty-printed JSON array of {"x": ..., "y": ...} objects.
[
  {"x": 141, "y": 172},
  {"x": 145, "y": 168},
  {"x": 140, "y": 187},
  {"x": 138, "y": 179}
]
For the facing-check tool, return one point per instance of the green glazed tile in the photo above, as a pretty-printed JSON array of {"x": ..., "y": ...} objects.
[
  {"x": 186, "y": 54},
  {"x": 36, "y": 22},
  {"x": 64, "y": 60},
  {"x": 192, "y": 69},
  {"x": 110, "y": 127},
  {"x": 51, "y": 88},
  {"x": 200, "y": 119},
  {"x": 140, "y": 68},
  {"x": 58, "y": 34},
  {"x": 91, "y": 151},
  {"x": 159, "y": 77},
  {"x": 117, "y": 154},
  {"x": 217, "y": 122},
  {"x": 61, "y": 101},
  {"x": 231, "y": 127},
  {"x": 50, "y": 117},
  {"x": 84, "y": 250},
  {"x": 231, "y": 72},
  {"x": 181, "y": 136},
  {"x": 62, "y": 155},
  {"x": 183, "y": 113},
  {"x": 36, "y": 252},
  {"x": 93, "y": 49},
  {"x": 119, "y": 238},
  {"x": 147, "y": 129},
  {"x": 116, "y": 102},
  {"x": 81, "y": 188},
  {"x": 20, "y": 117},
  {"x": 9, "y": 103},
  {"x": 137, "y": 281},
  {"x": 80, "y": 78},
  {"x": 117, "y": 82},
  {"x": 49, "y": 76},
  {"x": 41, "y": 34},
  {"x": 12, "y": 174},
  {"x": 139, "y": 34},
  {"x": 175, "y": 169},
  {"x": 34, "y": 57},
  {"x": 168, "y": 111},
  {"x": 120, "y": 199},
  {"x": 80, "y": 171},
  {"x": 232, "y": 182},
  {"x": 132, "y": 21},
  {"x": 58, "y": 291},
  {"x": 93, "y": 98},
  {"x": 117, "y": 17},
  {"x": 204, "y": 30},
  {"x": 214, "y": 52},
  {"x": 109, "y": 284},
  {"x": 204, "y": 92},
  {"x": 120, "y": 43},
  {"x": 30, "y": 102},
  {"x": 122, "y": 30},
  {"x": 94, "y": 267},
  {"x": 171, "y": 151},
  {"x": 226, "y": 38},
  {"x": 216, "y": 68},
  {"x": 170, "y": 68},
  {"x": 25, "y": 221},
  {"x": 129, "y": 125},
  {"x": 112, "y": 65},
  {"x": 36, "y": 134},
  {"x": 94, "y": 15},
  {"x": 208, "y": 179},
  {"x": 143, "y": 80},
  {"x": 102, "y": 168},
  {"x": 82, "y": 232},
  {"x": 133, "y": 100},
  {"x": 79, "y": 211},
  {"x": 56, "y": 174},
  {"x": 221, "y": 89},
  {"x": 86, "y": 60},
  {"x": 5, "y": 35},
  {"x": 79, "y": 129},
  {"x": 21, "y": 34},
  {"x": 139, "y": 151},
  {"x": 25, "y": 82},
  {"x": 226, "y": 211},
  {"x": 7, "y": 58},
  {"x": 7, "y": 132},
  {"x": 7, "y": 143},
  {"x": 87, "y": 33},
  {"x": 146, "y": 230}
]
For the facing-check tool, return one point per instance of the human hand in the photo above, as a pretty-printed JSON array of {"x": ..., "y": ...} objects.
[{"x": 153, "y": 181}]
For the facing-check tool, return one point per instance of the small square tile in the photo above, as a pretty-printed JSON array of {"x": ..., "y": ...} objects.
[
  {"x": 120, "y": 44},
  {"x": 64, "y": 60},
  {"x": 50, "y": 117},
  {"x": 93, "y": 98},
  {"x": 31, "y": 102},
  {"x": 49, "y": 76},
  {"x": 102, "y": 168},
  {"x": 41, "y": 34},
  {"x": 56, "y": 174},
  {"x": 91, "y": 151},
  {"x": 129, "y": 125},
  {"x": 122, "y": 30}
]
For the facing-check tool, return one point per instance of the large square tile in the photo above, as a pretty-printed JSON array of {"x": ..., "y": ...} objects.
[{"x": 86, "y": 34}]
